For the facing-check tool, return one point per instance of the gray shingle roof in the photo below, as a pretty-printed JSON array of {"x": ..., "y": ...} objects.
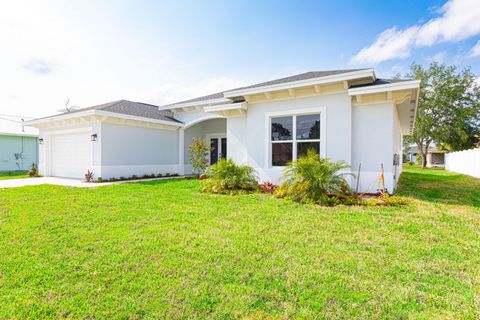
[
  {"x": 297, "y": 77},
  {"x": 131, "y": 108},
  {"x": 217, "y": 95},
  {"x": 379, "y": 82}
]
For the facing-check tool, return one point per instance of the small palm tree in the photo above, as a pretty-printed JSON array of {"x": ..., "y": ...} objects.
[
  {"x": 227, "y": 177},
  {"x": 312, "y": 179}
]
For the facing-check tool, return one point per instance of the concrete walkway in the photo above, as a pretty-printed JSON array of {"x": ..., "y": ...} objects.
[{"x": 13, "y": 183}]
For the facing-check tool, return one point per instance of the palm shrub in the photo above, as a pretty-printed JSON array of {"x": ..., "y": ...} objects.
[
  {"x": 226, "y": 177},
  {"x": 312, "y": 179}
]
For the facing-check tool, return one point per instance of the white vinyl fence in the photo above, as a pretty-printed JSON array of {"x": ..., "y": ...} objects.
[{"x": 466, "y": 162}]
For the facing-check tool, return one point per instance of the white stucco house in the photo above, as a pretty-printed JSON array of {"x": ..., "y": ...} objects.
[{"x": 348, "y": 115}]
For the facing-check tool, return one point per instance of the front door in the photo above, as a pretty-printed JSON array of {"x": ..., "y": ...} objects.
[{"x": 218, "y": 148}]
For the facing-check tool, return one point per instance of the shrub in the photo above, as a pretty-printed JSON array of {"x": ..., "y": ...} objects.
[
  {"x": 372, "y": 202},
  {"x": 99, "y": 179},
  {"x": 410, "y": 163},
  {"x": 89, "y": 176},
  {"x": 198, "y": 150},
  {"x": 133, "y": 177},
  {"x": 112, "y": 179},
  {"x": 122, "y": 178},
  {"x": 268, "y": 187},
  {"x": 311, "y": 179},
  {"x": 226, "y": 177},
  {"x": 159, "y": 175},
  {"x": 33, "y": 171},
  {"x": 395, "y": 201}
]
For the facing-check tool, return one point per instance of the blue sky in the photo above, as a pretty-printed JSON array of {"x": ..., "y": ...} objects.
[{"x": 162, "y": 51}]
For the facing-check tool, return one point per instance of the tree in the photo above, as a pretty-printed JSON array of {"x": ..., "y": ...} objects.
[
  {"x": 198, "y": 150},
  {"x": 448, "y": 108}
]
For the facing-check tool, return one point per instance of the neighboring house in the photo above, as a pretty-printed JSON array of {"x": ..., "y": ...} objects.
[
  {"x": 411, "y": 153},
  {"x": 18, "y": 143},
  {"x": 435, "y": 156},
  {"x": 345, "y": 115}
]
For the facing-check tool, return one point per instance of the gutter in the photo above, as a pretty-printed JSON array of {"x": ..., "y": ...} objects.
[{"x": 94, "y": 112}]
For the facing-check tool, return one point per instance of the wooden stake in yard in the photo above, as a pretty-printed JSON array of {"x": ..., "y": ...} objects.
[
  {"x": 382, "y": 181},
  {"x": 358, "y": 178}
]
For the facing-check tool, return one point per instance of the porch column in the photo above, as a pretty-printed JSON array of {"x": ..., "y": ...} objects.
[{"x": 181, "y": 154}]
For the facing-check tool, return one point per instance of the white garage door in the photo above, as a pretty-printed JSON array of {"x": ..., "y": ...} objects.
[{"x": 71, "y": 155}]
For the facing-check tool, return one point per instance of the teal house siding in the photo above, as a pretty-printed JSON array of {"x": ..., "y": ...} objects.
[{"x": 18, "y": 152}]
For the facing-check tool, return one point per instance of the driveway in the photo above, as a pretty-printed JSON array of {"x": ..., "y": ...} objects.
[{"x": 12, "y": 183}]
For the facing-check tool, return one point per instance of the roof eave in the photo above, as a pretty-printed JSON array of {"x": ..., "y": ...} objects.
[
  {"x": 130, "y": 117},
  {"x": 405, "y": 85},
  {"x": 196, "y": 103},
  {"x": 57, "y": 117},
  {"x": 415, "y": 112},
  {"x": 95, "y": 112},
  {"x": 364, "y": 73},
  {"x": 226, "y": 107}
]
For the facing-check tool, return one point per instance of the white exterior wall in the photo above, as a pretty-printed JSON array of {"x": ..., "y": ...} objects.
[
  {"x": 376, "y": 137},
  {"x": 248, "y": 136},
  {"x": 44, "y": 149},
  {"x": 236, "y": 145},
  {"x": 397, "y": 147},
  {"x": 131, "y": 150}
]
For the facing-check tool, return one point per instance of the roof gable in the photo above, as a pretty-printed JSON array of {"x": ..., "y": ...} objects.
[
  {"x": 285, "y": 80},
  {"x": 129, "y": 108}
]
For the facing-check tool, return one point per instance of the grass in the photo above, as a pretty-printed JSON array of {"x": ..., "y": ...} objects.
[
  {"x": 163, "y": 250},
  {"x": 6, "y": 175}
]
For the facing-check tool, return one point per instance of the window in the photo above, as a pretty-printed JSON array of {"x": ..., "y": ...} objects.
[{"x": 292, "y": 136}]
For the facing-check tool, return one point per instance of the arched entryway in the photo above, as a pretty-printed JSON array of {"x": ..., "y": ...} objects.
[{"x": 214, "y": 131}]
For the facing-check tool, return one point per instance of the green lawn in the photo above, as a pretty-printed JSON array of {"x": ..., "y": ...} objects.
[
  {"x": 163, "y": 250},
  {"x": 5, "y": 175}
]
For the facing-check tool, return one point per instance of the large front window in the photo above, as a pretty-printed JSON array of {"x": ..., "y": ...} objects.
[{"x": 292, "y": 136}]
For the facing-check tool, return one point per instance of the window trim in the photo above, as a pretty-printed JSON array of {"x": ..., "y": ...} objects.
[{"x": 293, "y": 113}]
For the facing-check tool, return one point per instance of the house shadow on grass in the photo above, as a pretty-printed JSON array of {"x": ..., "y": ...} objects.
[{"x": 440, "y": 186}]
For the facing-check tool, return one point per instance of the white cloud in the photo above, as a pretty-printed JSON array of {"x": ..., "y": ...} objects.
[
  {"x": 55, "y": 50},
  {"x": 39, "y": 66},
  {"x": 397, "y": 69},
  {"x": 439, "y": 57},
  {"x": 390, "y": 44},
  {"x": 475, "y": 52},
  {"x": 459, "y": 20}
]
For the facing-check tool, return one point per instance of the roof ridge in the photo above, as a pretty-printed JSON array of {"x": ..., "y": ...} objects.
[
  {"x": 148, "y": 104},
  {"x": 290, "y": 78},
  {"x": 109, "y": 104}
]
